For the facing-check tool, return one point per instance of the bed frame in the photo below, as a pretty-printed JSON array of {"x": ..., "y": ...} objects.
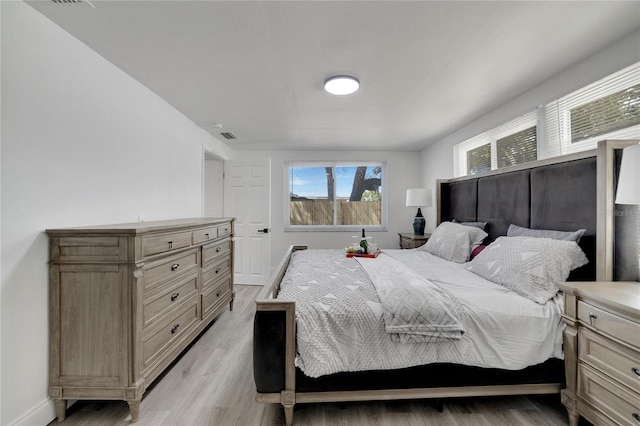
[{"x": 550, "y": 194}]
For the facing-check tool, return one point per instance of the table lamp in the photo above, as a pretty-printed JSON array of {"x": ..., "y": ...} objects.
[{"x": 418, "y": 197}]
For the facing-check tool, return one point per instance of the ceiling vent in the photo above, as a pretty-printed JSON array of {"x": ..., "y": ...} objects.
[
  {"x": 71, "y": 2},
  {"x": 228, "y": 135}
]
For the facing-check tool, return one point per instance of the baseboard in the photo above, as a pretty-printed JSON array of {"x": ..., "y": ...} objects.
[{"x": 42, "y": 414}]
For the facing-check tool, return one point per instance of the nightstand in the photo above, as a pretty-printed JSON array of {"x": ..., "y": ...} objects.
[
  {"x": 409, "y": 241},
  {"x": 602, "y": 352}
]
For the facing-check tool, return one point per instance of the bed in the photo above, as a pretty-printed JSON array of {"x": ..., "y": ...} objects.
[{"x": 290, "y": 363}]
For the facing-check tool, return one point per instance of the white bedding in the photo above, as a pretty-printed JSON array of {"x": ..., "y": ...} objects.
[{"x": 340, "y": 326}]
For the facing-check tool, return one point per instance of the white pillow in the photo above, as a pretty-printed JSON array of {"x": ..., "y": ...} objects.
[
  {"x": 454, "y": 242},
  {"x": 530, "y": 266}
]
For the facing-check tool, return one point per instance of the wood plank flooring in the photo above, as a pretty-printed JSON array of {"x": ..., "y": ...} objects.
[{"x": 212, "y": 384}]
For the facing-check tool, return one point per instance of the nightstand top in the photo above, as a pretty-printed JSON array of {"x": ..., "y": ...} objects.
[{"x": 622, "y": 295}]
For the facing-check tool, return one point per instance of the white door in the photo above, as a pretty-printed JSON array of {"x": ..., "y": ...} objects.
[{"x": 247, "y": 198}]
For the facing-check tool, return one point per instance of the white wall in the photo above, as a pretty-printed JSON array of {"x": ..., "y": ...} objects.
[
  {"x": 437, "y": 159},
  {"x": 403, "y": 172},
  {"x": 82, "y": 144},
  {"x": 213, "y": 187}
]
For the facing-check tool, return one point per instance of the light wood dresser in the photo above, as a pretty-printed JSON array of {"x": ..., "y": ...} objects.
[
  {"x": 602, "y": 352},
  {"x": 126, "y": 300}
]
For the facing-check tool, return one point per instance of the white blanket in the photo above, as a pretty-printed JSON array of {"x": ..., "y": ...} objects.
[
  {"x": 340, "y": 324},
  {"x": 414, "y": 308}
]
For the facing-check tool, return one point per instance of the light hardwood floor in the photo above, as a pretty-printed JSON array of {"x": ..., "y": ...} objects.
[{"x": 212, "y": 384}]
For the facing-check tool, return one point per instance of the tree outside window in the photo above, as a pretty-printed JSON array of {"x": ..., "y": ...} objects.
[{"x": 336, "y": 195}]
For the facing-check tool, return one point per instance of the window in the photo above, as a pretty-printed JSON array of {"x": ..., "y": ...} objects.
[
  {"x": 606, "y": 109},
  {"x": 334, "y": 196},
  {"x": 606, "y": 114},
  {"x": 519, "y": 147},
  {"x": 479, "y": 159},
  {"x": 512, "y": 143}
]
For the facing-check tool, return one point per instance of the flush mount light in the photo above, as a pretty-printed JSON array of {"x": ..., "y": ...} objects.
[{"x": 341, "y": 85}]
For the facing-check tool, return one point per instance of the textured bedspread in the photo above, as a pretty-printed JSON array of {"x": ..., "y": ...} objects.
[
  {"x": 340, "y": 325},
  {"x": 414, "y": 309}
]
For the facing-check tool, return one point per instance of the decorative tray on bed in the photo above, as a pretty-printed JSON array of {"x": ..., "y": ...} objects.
[{"x": 371, "y": 255}]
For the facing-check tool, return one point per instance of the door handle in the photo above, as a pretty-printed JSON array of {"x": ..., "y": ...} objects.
[{"x": 263, "y": 231}]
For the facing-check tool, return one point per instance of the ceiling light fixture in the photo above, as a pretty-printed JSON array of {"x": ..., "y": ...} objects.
[{"x": 341, "y": 85}]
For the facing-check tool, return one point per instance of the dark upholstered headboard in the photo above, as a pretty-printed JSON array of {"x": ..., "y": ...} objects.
[{"x": 559, "y": 195}]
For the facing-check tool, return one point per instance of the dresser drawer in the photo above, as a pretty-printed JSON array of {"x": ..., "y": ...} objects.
[
  {"x": 611, "y": 324},
  {"x": 215, "y": 272},
  {"x": 165, "y": 243},
  {"x": 170, "y": 268},
  {"x": 158, "y": 305},
  {"x": 613, "y": 359},
  {"x": 160, "y": 337},
  {"x": 607, "y": 396},
  {"x": 215, "y": 251},
  {"x": 224, "y": 230},
  {"x": 205, "y": 234},
  {"x": 214, "y": 297}
]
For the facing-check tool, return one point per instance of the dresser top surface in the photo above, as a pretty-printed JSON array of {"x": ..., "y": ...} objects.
[
  {"x": 142, "y": 227},
  {"x": 621, "y": 295}
]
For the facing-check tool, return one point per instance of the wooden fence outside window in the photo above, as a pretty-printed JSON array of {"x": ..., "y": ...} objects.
[{"x": 320, "y": 212}]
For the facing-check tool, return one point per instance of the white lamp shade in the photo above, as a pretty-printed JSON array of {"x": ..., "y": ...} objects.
[
  {"x": 629, "y": 179},
  {"x": 418, "y": 197}
]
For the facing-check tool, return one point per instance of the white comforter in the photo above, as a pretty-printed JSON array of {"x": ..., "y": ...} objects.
[{"x": 340, "y": 323}]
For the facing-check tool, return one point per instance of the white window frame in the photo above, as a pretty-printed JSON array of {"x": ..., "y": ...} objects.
[
  {"x": 490, "y": 137},
  {"x": 553, "y": 123},
  {"x": 332, "y": 228},
  {"x": 613, "y": 83}
]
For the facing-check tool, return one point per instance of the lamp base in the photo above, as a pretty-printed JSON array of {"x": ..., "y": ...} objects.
[{"x": 418, "y": 225}]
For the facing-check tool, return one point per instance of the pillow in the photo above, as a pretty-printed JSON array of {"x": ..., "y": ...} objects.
[
  {"x": 477, "y": 250},
  {"x": 519, "y": 231},
  {"x": 481, "y": 225},
  {"x": 532, "y": 267},
  {"x": 453, "y": 241}
]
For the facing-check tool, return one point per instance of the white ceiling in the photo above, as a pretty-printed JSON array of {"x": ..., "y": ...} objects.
[{"x": 426, "y": 68}]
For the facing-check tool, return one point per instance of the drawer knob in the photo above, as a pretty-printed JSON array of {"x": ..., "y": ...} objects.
[
  {"x": 175, "y": 296},
  {"x": 592, "y": 318},
  {"x": 636, "y": 417},
  {"x": 218, "y": 249},
  {"x": 217, "y": 270},
  {"x": 170, "y": 245},
  {"x": 218, "y": 293},
  {"x": 175, "y": 328},
  {"x": 206, "y": 235},
  {"x": 175, "y": 266},
  {"x": 636, "y": 371}
]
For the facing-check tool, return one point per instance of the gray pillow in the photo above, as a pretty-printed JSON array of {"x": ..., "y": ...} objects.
[
  {"x": 519, "y": 231},
  {"x": 481, "y": 225},
  {"x": 454, "y": 242},
  {"x": 532, "y": 267}
]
